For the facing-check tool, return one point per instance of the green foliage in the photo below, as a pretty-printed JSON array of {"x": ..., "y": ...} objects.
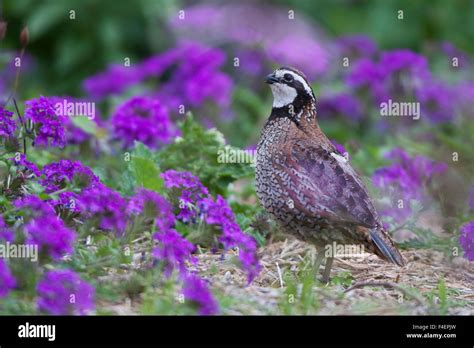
[
  {"x": 426, "y": 239},
  {"x": 300, "y": 295},
  {"x": 144, "y": 169},
  {"x": 197, "y": 151},
  {"x": 84, "y": 45}
]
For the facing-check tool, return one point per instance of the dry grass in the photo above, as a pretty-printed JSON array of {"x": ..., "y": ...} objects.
[
  {"x": 377, "y": 287},
  {"x": 364, "y": 285}
]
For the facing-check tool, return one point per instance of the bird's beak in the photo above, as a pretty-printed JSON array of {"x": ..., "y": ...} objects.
[{"x": 271, "y": 79}]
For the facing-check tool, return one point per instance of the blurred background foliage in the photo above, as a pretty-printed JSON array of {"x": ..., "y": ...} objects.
[
  {"x": 72, "y": 45},
  {"x": 106, "y": 31}
]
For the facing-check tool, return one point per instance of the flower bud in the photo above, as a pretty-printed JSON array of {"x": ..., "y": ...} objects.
[
  {"x": 24, "y": 37},
  {"x": 3, "y": 29}
]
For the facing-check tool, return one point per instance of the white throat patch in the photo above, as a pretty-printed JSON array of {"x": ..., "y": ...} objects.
[{"x": 282, "y": 94}]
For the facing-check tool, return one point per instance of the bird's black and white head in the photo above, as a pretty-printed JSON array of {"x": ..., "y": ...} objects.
[{"x": 290, "y": 87}]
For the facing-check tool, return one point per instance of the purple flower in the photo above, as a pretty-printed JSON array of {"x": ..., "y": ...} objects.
[
  {"x": 44, "y": 228},
  {"x": 405, "y": 60},
  {"x": 69, "y": 107},
  {"x": 195, "y": 201},
  {"x": 192, "y": 191},
  {"x": 343, "y": 104},
  {"x": 339, "y": 147},
  {"x": 193, "y": 77},
  {"x": 196, "y": 78},
  {"x": 58, "y": 174},
  {"x": 437, "y": 102},
  {"x": 35, "y": 205},
  {"x": 356, "y": 46},
  {"x": 66, "y": 201},
  {"x": 21, "y": 161},
  {"x": 464, "y": 95},
  {"x": 186, "y": 180},
  {"x": 173, "y": 250},
  {"x": 368, "y": 74},
  {"x": 5, "y": 233},
  {"x": 50, "y": 126},
  {"x": 405, "y": 180},
  {"x": 219, "y": 213},
  {"x": 7, "y": 281},
  {"x": 251, "y": 61},
  {"x": 104, "y": 204},
  {"x": 116, "y": 79},
  {"x": 195, "y": 290},
  {"x": 397, "y": 74},
  {"x": 156, "y": 65},
  {"x": 63, "y": 292},
  {"x": 142, "y": 119},
  {"x": 299, "y": 51},
  {"x": 292, "y": 42},
  {"x": 466, "y": 240},
  {"x": 152, "y": 205},
  {"x": 7, "y": 124},
  {"x": 452, "y": 51},
  {"x": 51, "y": 235}
]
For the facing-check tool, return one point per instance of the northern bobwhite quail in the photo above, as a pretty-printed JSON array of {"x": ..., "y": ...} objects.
[{"x": 306, "y": 184}]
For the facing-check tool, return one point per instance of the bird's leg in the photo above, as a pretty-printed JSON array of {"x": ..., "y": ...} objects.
[
  {"x": 327, "y": 269},
  {"x": 318, "y": 261}
]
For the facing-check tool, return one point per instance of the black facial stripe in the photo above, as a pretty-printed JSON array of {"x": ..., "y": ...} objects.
[{"x": 299, "y": 88}]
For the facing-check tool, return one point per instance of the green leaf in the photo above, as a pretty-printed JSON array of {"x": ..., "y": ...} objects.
[
  {"x": 144, "y": 169},
  {"x": 85, "y": 124},
  {"x": 147, "y": 174},
  {"x": 442, "y": 295}
]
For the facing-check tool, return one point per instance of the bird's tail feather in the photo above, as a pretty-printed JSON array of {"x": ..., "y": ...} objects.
[{"x": 386, "y": 247}]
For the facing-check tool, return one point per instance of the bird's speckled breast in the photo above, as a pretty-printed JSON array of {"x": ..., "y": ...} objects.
[{"x": 271, "y": 195}]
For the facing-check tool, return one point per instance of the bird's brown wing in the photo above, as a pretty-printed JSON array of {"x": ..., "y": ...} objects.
[{"x": 320, "y": 185}]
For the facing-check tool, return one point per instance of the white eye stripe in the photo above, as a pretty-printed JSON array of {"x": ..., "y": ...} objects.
[{"x": 280, "y": 73}]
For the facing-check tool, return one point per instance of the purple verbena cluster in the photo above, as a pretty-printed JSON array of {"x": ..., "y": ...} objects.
[
  {"x": 116, "y": 79},
  {"x": 50, "y": 129},
  {"x": 63, "y": 292},
  {"x": 142, "y": 119},
  {"x": 291, "y": 43},
  {"x": 105, "y": 205},
  {"x": 466, "y": 239},
  {"x": 356, "y": 46},
  {"x": 406, "y": 179},
  {"x": 6, "y": 234},
  {"x": 214, "y": 212},
  {"x": 43, "y": 228},
  {"x": 194, "y": 70},
  {"x": 20, "y": 161},
  {"x": 195, "y": 290},
  {"x": 402, "y": 75},
  {"x": 343, "y": 104},
  {"x": 7, "y": 281},
  {"x": 56, "y": 175},
  {"x": 219, "y": 213},
  {"x": 173, "y": 251},
  {"x": 7, "y": 123},
  {"x": 191, "y": 190}
]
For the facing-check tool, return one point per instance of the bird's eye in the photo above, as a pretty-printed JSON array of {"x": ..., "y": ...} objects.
[{"x": 288, "y": 77}]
